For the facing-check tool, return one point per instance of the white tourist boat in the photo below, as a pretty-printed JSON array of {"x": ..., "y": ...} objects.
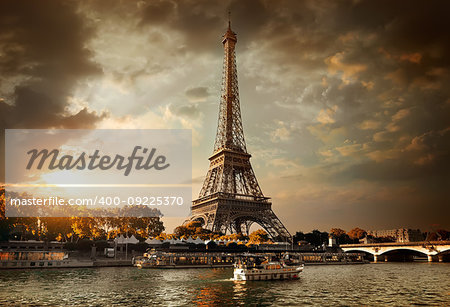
[{"x": 268, "y": 270}]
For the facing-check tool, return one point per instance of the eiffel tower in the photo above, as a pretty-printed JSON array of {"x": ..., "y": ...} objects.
[{"x": 231, "y": 200}]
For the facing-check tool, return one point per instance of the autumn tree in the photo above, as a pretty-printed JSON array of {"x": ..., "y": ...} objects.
[
  {"x": 144, "y": 227},
  {"x": 128, "y": 221},
  {"x": 87, "y": 227},
  {"x": 58, "y": 228},
  {"x": 340, "y": 235},
  {"x": 2, "y": 203},
  {"x": 4, "y": 222},
  {"x": 357, "y": 233},
  {"x": 26, "y": 228},
  {"x": 192, "y": 229},
  {"x": 233, "y": 237},
  {"x": 166, "y": 236},
  {"x": 337, "y": 232},
  {"x": 259, "y": 236}
]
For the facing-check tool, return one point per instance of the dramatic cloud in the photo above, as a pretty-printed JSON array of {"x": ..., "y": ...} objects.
[
  {"x": 345, "y": 104},
  {"x": 42, "y": 59},
  {"x": 197, "y": 93}
]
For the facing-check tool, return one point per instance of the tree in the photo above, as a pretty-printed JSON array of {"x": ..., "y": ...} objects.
[
  {"x": 57, "y": 228},
  {"x": 337, "y": 232},
  {"x": 438, "y": 235},
  {"x": 357, "y": 233},
  {"x": 259, "y": 236},
  {"x": 316, "y": 237},
  {"x": 299, "y": 236},
  {"x": 341, "y": 236},
  {"x": 26, "y": 228},
  {"x": 443, "y": 234},
  {"x": 192, "y": 229},
  {"x": 17, "y": 227},
  {"x": 144, "y": 227},
  {"x": 234, "y": 237},
  {"x": 2, "y": 203},
  {"x": 5, "y": 223},
  {"x": 80, "y": 227}
]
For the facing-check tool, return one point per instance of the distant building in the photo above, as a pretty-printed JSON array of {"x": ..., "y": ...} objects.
[
  {"x": 399, "y": 235},
  {"x": 331, "y": 241}
]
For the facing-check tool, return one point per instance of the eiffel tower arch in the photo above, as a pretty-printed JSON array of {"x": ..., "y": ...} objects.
[{"x": 231, "y": 200}]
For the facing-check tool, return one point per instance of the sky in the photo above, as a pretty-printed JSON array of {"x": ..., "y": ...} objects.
[{"x": 345, "y": 104}]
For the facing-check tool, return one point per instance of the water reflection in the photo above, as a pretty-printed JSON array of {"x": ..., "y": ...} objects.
[
  {"x": 239, "y": 289},
  {"x": 209, "y": 296},
  {"x": 214, "y": 288}
]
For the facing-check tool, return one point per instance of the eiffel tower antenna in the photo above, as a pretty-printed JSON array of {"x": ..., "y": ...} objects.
[{"x": 231, "y": 200}]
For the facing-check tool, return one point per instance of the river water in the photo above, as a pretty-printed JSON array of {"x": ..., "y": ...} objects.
[{"x": 381, "y": 284}]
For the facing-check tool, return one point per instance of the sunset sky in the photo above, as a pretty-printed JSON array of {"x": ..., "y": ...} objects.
[{"x": 345, "y": 104}]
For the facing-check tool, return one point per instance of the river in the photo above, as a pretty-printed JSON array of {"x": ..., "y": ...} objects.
[{"x": 381, "y": 284}]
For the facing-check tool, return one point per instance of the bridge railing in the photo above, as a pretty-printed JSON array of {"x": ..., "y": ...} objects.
[{"x": 419, "y": 243}]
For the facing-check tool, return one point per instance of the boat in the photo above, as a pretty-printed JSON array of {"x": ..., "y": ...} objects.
[
  {"x": 170, "y": 260},
  {"x": 252, "y": 268}
]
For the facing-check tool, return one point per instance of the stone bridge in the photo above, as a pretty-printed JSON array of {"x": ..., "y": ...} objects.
[{"x": 434, "y": 250}]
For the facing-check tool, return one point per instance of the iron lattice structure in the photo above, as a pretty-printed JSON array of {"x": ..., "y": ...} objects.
[{"x": 231, "y": 200}]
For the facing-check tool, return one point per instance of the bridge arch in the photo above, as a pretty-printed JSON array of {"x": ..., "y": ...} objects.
[
  {"x": 447, "y": 250},
  {"x": 363, "y": 250},
  {"x": 396, "y": 249}
]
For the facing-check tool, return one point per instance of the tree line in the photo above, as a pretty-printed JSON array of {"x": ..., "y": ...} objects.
[
  {"x": 354, "y": 236},
  {"x": 73, "y": 229},
  {"x": 128, "y": 222}
]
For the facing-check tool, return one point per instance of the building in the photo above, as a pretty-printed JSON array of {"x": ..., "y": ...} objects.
[
  {"x": 231, "y": 199},
  {"x": 399, "y": 235}
]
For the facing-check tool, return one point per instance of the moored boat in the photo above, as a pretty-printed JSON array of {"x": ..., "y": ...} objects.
[{"x": 167, "y": 260}]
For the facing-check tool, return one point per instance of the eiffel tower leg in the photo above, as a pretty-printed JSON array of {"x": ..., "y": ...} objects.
[
  {"x": 275, "y": 228},
  {"x": 210, "y": 222},
  {"x": 220, "y": 223},
  {"x": 237, "y": 226},
  {"x": 247, "y": 226}
]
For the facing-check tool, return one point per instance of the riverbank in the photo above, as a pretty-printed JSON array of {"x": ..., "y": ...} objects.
[
  {"x": 47, "y": 260},
  {"x": 66, "y": 263}
]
